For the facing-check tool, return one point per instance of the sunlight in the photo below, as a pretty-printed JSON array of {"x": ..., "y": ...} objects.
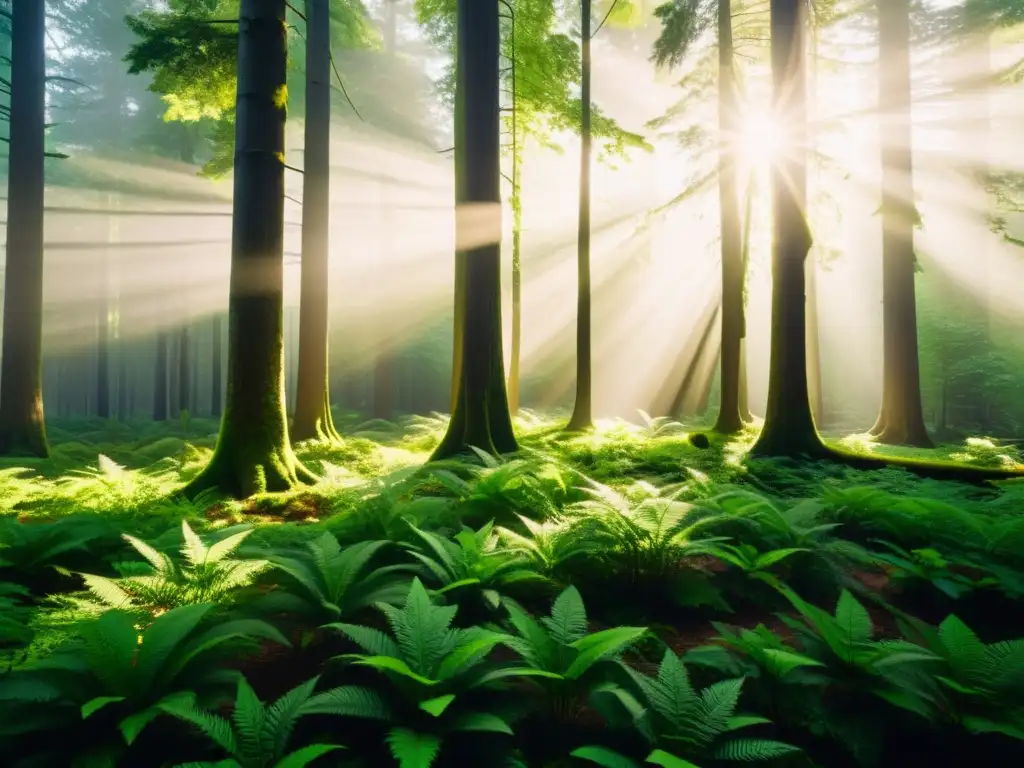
[{"x": 762, "y": 139}]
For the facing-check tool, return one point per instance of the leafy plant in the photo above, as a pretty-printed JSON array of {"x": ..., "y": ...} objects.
[
  {"x": 209, "y": 574},
  {"x": 649, "y": 536},
  {"x": 257, "y": 736},
  {"x": 15, "y": 633},
  {"x": 28, "y": 552},
  {"x": 978, "y": 685},
  {"x": 472, "y": 561},
  {"x": 562, "y": 654},
  {"x": 432, "y": 668},
  {"x": 116, "y": 677},
  {"x": 549, "y": 545},
  {"x": 926, "y": 566},
  {"x": 684, "y": 725},
  {"x": 661, "y": 426},
  {"x": 326, "y": 583}
]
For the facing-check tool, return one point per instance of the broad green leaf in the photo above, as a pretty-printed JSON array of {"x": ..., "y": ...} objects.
[
  {"x": 98, "y": 703},
  {"x": 391, "y": 664},
  {"x": 665, "y": 760},
  {"x": 604, "y": 757},
  {"x": 437, "y": 706},
  {"x": 601, "y": 645},
  {"x": 481, "y": 721}
]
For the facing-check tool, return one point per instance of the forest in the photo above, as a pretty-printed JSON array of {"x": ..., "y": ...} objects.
[{"x": 519, "y": 383}]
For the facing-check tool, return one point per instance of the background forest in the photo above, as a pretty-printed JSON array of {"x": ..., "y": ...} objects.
[{"x": 531, "y": 382}]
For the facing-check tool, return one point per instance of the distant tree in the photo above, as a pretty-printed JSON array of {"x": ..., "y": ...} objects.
[
  {"x": 253, "y": 452},
  {"x": 901, "y": 418},
  {"x": 480, "y": 418},
  {"x": 22, "y": 428}
]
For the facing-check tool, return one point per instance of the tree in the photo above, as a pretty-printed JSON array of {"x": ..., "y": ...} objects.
[
  {"x": 901, "y": 418},
  {"x": 22, "y": 428},
  {"x": 253, "y": 453},
  {"x": 788, "y": 424},
  {"x": 312, "y": 405},
  {"x": 480, "y": 417}
]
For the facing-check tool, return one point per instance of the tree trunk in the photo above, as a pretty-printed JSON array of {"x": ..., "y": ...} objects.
[
  {"x": 384, "y": 360},
  {"x": 184, "y": 370},
  {"x": 748, "y": 211},
  {"x": 216, "y": 389},
  {"x": 901, "y": 418},
  {"x": 730, "y": 419},
  {"x": 313, "y": 418},
  {"x": 22, "y": 428},
  {"x": 788, "y": 425},
  {"x": 813, "y": 326},
  {"x": 253, "y": 452},
  {"x": 481, "y": 417},
  {"x": 160, "y": 378},
  {"x": 517, "y": 279},
  {"x": 102, "y": 341},
  {"x": 583, "y": 409}
]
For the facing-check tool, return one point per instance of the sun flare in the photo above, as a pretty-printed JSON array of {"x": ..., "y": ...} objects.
[{"x": 762, "y": 139}]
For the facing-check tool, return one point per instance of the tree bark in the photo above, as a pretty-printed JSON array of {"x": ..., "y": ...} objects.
[
  {"x": 313, "y": 418},
  {"x": 253, "y": 452},
  {"x": 22, "y": 427},
  {"x": 789, "y": 425},
  {"x": 481, "y": 417},
  {"x": 216, "y": 388},
  {"x": 517, "y": 280},
  {"x": 583, "y": 410},
  {"x": 730, "y": 419},
  {"x": 184, "y": 370},
  {"x": 901, "y": 417}
]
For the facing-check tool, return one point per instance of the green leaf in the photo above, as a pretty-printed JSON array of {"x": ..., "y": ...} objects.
[
  {"x": 437, "y": 706},
  {"x": 411, "y": 749},
  {"x": 305, "y": 755},
  {"x": 98, "y": 703},
  {"x": 665, "y": 760},
  {"x": 604, "y": 757},
  {"x": 456, "y": 585},
  {"x": 481, "y": 721},
  {"x": 853, "y": 619},
  {"x": 391, "y": 664},
  {"x": 601, "y": 645},
  {"x": 782, "y": 662},
  {"x": 769, "y": 559}
]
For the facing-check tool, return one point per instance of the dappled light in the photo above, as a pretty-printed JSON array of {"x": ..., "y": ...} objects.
[{"x": 520, "y": 383}]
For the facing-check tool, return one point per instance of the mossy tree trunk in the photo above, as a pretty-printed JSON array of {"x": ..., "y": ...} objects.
[
  {"x": 730, "y": 419},
  {"x": 253, "y": 452},
  {"x": 480, "y": 417},
  {"x": 583, "y": 410},
  {"x": 789, "y": 425},
  {"x": 313, "y": 418},
  {"x": 901, "y": 417},
  {"x": 22, "y": 428}
]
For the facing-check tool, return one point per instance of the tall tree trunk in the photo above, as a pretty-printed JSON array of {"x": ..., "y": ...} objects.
[
  {"x": 313, "y": 418},
  {"x": 788, "y": 424},
  {"x": 384, "y": 359},
  {"x": 583, "y": 409},
  {"x": 253, "y": 452},
  {"x": 730, "y": 419},
  {"x": 748, "y": 212},
  {"x": 517, "y": 274},
  {"x": 216, "y": 388},
  {"x": 160, "y": 378},
  {"x": 122, "y": 381},
  {"x": 22, "y": 428},
  {"x": 481, "y": 417},
  {"x": 813, "y": 325},
  {"x": 901, "y": 418}
]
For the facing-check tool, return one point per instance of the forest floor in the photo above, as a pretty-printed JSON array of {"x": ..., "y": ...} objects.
[{"x": 781, "y": 532}]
